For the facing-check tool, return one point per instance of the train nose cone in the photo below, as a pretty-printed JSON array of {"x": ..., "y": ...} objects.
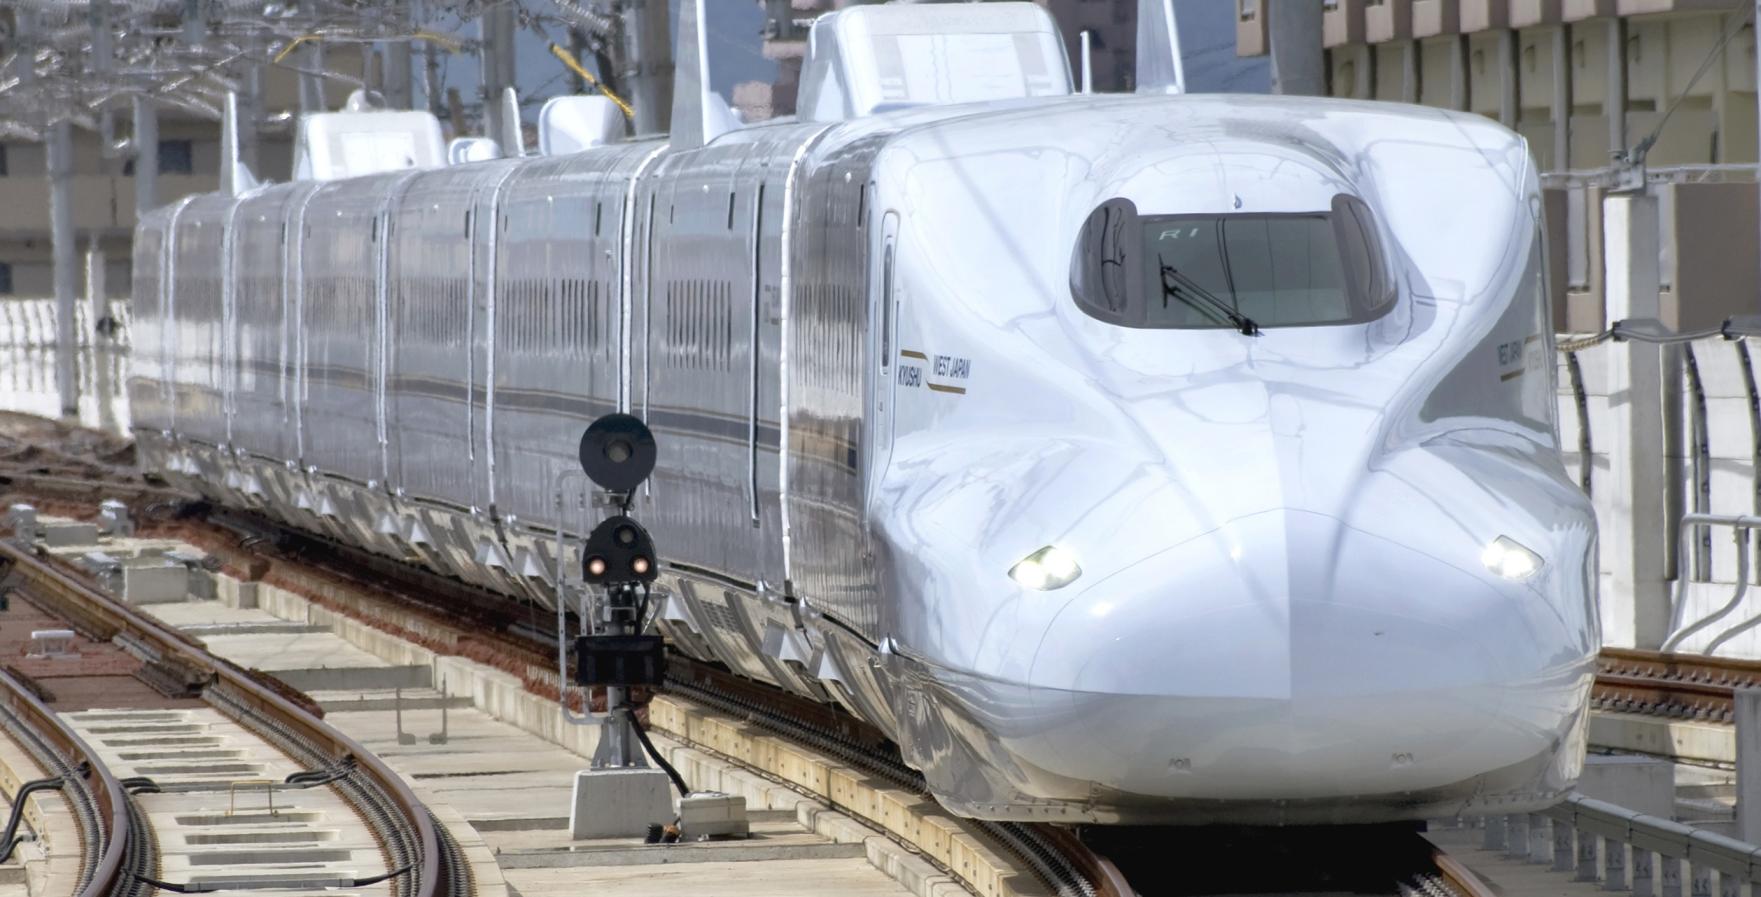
[{"x": 1299, "y": 658}]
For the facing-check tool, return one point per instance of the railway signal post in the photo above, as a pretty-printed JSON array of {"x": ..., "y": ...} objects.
[{"x": 620, "y": 795}]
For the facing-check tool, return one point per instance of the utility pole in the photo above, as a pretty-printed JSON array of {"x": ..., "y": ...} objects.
[
  {"x": 97, "y": 293},
  {"x": 66, "y": 254},
  {"x": 1614, "y": 89},
  {"x": 431, "y": 97},
  {"x": 312, "y": 79},
  {"x": 250, "y": 115},
  {"x": 647, "y": 76},
  {"x": 498, "y": 73},
  {"x": 577, "y": 51},
  {"x": 59, "y": 168},
  {"x": 398, "y": 92},
  {"x": 1298, "y": 66},
  {"x": 146, "y": 143},
  {"x": 103, "y": 56}
]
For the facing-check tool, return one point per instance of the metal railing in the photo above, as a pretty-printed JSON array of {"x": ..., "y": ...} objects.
[
  {"x": 1667, "y": 174},
  {"x": 30, "y": 324},
  {"x": 1741, "y": 526},
  {"x": 1624, "y": 850},
  {"x": 1692, "y": 551}
]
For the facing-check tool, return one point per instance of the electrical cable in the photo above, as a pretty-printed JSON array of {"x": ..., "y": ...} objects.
[
  {"x": 1640, "y": 149},
  {"x": 653, "y": 753}
]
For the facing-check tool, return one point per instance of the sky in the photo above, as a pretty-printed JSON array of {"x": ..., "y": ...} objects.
[{"x": 1207, "y": 37}]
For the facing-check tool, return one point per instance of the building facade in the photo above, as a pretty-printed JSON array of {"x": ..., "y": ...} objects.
[
  {"x": 1588, "y": 83},
  {"x": 1582, "y": 79},
  {"x": 104, "y": 187}
]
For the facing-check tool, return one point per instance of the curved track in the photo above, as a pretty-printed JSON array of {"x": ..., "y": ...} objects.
[
  {"x": 100, "y": 806},
  {"x": 1068, "y": 861},
  {"x": 424, "y": 860},
  {"x": 1062, "y": 857}
]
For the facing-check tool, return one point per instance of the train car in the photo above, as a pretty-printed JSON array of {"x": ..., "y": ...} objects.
[{"x": 1150, "y": 458}]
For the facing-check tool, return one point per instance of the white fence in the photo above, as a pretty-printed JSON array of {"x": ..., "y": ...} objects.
[
  {"x": 1711, "y": 429},
  {"x": 30, "y": 323},
  {"x": 27, "y": 362}
]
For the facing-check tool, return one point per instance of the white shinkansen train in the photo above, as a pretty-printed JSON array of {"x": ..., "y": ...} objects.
[{"x": 1147, "y": 458}]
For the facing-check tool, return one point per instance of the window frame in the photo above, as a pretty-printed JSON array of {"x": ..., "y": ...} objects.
[
  {"x": 189, "y": 147},
  {"x": 1132, "y": 278}
]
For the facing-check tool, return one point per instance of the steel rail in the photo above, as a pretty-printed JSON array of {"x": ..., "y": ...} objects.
[
  {"x": 415, "y": 591},
  {"x": 466, "y": 611},
  {"x": 111, "y": 870},
  {"x": 1459, "y": 876},
  {"x": 102, "y": 616},
  {"x": 455, "y": 606},
  {"x": 1678, "y": 685}
]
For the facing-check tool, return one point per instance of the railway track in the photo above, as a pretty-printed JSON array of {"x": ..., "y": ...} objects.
[
  {"x": 1063, "y": 858},
  {"x": 1676, "y": 686},
  {"x": 114, "y": 848},
  {"x": 118, "y": 844}
]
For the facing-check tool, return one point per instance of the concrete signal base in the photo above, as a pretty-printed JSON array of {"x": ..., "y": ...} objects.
[{"x": 619, "y": 803}]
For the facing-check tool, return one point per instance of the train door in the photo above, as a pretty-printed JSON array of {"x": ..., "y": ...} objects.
[
  {"x": 227, "y": 346},
  {"x": 765, "y": 440},
  {"x": 484, "y": 225},
  {"x": 883, "y": 349},
  {"x": 294, "y": 299},
  {"x": 381, "y": 372},
  {"x": 748, "y": 215}
]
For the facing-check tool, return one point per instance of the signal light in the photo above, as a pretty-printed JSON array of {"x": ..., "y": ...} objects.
[
  {"x": 618, "y": 452},
  {"x": 618, "y": 552}
]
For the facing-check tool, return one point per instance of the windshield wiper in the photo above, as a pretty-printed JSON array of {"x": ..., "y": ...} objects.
[{"x": 1187, "y": 290}]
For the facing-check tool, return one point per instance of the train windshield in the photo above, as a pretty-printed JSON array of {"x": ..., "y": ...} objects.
[{"x": 1212, "y": 271}]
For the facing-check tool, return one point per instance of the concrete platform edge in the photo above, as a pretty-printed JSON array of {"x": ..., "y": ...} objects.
[{"x": 915, "y": 820}]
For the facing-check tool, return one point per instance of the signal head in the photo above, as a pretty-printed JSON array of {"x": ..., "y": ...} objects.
[
  {"x": 618, "y": 452},
  {"x": 619, "y": 552}
]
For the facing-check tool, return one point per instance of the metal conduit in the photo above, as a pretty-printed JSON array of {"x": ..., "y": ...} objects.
[
  {"x": 1700, "y": 468},
  {"x": 431, "y": 862},
  {"x": 1736, "y": 330},
  {"x": 1742, "y": 524},
  {"x": 111, "y": 830}
]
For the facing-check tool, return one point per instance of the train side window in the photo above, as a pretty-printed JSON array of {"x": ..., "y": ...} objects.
[
  {"x": 886, "y": 303},
  {"x": 1101, "y": 275},
  {"x": 1360, "y": 252}
]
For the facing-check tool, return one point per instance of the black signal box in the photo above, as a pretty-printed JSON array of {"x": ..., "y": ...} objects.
[{"x": 620, "y": 660}]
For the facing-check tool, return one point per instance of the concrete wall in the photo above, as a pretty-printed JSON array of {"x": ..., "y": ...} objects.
[
  {"x": 104, "y": 197},
  {"x": 1666, "y": 41},
  {"x": 1730, "y": 475},
  {"x": 1712, "y": 268},
  {"x": 101, "y": 204},
  {"x": 1708, "y": 270}
]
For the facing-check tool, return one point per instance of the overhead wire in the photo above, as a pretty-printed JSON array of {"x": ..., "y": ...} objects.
[{"x": 1643, "y": 147}]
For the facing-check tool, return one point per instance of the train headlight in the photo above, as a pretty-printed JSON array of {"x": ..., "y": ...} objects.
[
  {"x": 1049, "y": 568},
  {"x": 1510, "y": 559}
]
